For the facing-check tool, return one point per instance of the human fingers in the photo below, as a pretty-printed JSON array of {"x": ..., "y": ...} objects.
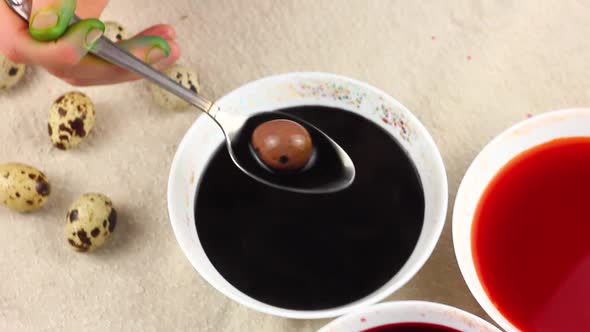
[
  {"x": 154, "y": 46},
  {"x": 50, "y": 18},
  {"x": 10, "y": 25},
  {"x": 65, "y": 52},
  {"x": 90, "y": 8}
]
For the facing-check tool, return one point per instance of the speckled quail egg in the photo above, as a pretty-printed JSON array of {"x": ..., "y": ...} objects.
[
  {"x": 90, "y": 222},
  {"x": 115, "y": 31},
  {"x": 23, "y": 188},
  {"x": 10, "y": 73},
  {"x": 184, "y": 77},
  {"x": 71, "y": 118}
]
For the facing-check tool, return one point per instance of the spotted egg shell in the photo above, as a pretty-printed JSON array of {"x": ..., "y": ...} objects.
[
  {"x": 10, "y": 73},
  {"x": 71, "y": 118},
  {"x": 115, "y": 31},
  {"x": 282, "y": 144},
  {"x": 90, "y": 222},
  {"x": 23, "y": 188},
  {"x": 183, "y": 76}
]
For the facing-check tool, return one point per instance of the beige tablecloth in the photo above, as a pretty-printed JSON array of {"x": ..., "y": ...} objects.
[{"x": 467, "y": 68}]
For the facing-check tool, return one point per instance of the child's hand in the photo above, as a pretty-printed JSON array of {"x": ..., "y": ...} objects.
[{"x": 48, "y": 41}]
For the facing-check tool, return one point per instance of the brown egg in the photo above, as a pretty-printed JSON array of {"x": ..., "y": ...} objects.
[{"x": 282, "y": 144}]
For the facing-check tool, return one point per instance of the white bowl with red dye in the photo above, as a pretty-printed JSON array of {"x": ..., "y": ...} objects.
[
  {"x": 299, "y": 89},
  {"x": 504, "y": 148},
  {"x": 405, "y": 312}
]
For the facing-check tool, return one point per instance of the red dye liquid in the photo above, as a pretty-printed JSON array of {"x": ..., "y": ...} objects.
[
  {"x": 531, "y": 238},
  {"x": 411, "y": 327}
]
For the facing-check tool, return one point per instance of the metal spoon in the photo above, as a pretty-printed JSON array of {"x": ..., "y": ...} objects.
[{"x": 330, "y": 170}]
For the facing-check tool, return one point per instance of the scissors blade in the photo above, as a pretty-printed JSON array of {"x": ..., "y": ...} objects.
[{"x": 21, "y": 7}]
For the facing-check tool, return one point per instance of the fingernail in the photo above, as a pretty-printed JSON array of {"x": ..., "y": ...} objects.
[
  {"x": 45, "y": 20},
  {"x": 155, "y": 54},
  {"x": 92, "y": 36}
]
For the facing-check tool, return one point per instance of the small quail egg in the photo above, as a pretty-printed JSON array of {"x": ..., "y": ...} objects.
[
  {"x": 115, "y": 31},
  {"x": 184, "y": 77},
  {"x": 282, "y": 144},
  {"x": 23, "y": 188},
  {"x": 71, "y": 118},
  {"x": 90, "y": 222},
  {"x": 10, "y": 73}
]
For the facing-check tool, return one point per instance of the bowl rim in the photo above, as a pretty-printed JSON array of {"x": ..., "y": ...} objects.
[
  {"x": 474, "y": 285},
  {"x": 455, "y": 316},
  {"x": 379, "y": 294}
]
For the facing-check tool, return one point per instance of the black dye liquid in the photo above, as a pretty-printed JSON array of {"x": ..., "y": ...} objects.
[
  {"x": 412, "y": 327},
  {"x": 309, "y": 252},
  {"x": 324, "y": 168}
]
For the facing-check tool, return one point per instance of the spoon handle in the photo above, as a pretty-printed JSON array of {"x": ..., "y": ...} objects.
[{"x": 109, "y": 51}]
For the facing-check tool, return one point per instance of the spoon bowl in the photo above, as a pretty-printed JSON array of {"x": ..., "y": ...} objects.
[
  {"x": 329, "y": 169},
  {"x": 332, "y": 171}
]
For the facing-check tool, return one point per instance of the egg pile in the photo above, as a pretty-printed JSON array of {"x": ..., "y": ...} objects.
[{"x": 92, "y": 218}]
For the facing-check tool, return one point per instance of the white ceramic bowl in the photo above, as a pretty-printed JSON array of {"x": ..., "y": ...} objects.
[
  {"x": 297, "y": 89},
  {"x": 409, "y": 312},
  {"x": 519, "y": 138}
]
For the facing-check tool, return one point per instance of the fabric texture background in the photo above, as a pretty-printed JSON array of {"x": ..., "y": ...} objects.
[{"x": 467, "y": 68}]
